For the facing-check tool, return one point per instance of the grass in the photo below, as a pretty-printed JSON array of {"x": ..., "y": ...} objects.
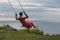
[{"x": 24, "y": 35}]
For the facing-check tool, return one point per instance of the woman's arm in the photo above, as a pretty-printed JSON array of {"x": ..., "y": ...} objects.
[
  {"x": 25, "y": 14},
  {"x": 16, "y": 16}
]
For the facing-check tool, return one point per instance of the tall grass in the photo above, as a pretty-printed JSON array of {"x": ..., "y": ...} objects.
[{"x": 35, "y": 34}]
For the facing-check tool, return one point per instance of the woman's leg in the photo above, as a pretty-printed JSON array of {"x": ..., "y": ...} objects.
[
  {"x": 33, "y": 25},
  {"x": 29, "y": 30}
]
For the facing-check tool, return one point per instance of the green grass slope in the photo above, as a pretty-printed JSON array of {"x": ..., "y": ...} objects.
[{"x": 24, "y": 35}]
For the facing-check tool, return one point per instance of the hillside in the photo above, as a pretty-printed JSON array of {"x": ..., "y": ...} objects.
[{"x": 9, "y": 33}]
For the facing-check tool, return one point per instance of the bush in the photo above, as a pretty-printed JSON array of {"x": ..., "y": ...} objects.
[
  {"x": 7, "y": 28},
  {"x": 37, "y": 31}
]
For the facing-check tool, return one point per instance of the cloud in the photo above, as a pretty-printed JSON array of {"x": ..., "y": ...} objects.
[
  {"x": 53, "y": 9},
  {"x": 7, "y": 15},
  {"x": 29, "y": 3},
  {"x": 13, "y": 19},
  {"x": 2, "y": 14},
  {"x": 49, "y": 3},
  {"x": 42, "y": 9},
  {"x": 7, "y": 19},
  {"x": 3, "y": 0},
  {"x": 7, "y": 8}
]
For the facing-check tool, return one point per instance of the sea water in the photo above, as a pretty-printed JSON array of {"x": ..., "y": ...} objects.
[{"x": 46, "y": 27}]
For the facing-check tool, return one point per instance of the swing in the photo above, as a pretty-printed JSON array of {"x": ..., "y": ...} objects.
[
  {"x": 24, "y": 23},
  {"x": 13, "y": 8}
]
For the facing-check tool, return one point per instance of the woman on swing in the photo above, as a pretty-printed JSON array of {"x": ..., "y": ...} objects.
[{"x": 24, "y": 22}]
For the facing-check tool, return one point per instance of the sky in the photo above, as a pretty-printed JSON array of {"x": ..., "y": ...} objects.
[{"x": 48, "y": 10}]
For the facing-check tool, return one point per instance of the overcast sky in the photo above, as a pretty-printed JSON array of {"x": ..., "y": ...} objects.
[{"x": 48, "y": 10}]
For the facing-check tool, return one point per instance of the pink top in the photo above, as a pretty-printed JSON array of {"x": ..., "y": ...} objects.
[{"x": 25, "y": 23}]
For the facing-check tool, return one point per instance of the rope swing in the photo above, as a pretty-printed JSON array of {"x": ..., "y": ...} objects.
[
  {"x": 12, "y": 7},
  {"x": 20, "y": 5},
  {"x": 22, "y": 20}
]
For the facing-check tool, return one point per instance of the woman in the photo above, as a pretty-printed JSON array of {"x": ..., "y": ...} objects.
[{"x": 24, "y": 22}]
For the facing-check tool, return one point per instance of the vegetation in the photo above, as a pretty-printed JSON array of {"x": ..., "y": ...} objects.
[{"x": 9, "y": 33}]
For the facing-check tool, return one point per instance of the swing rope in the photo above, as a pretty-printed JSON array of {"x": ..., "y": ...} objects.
[
  {"x": 12, "y": 7},
  {"x": 20, "y": 5}
]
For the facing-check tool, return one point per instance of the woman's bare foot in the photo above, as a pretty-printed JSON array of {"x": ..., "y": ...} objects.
[{"x": 34, "y": 26}]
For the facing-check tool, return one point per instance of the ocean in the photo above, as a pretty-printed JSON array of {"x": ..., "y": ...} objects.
[{"x": 45, "y": 26}]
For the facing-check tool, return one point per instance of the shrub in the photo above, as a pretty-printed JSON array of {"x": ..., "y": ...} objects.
[{"x": 37, "y": 31}]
